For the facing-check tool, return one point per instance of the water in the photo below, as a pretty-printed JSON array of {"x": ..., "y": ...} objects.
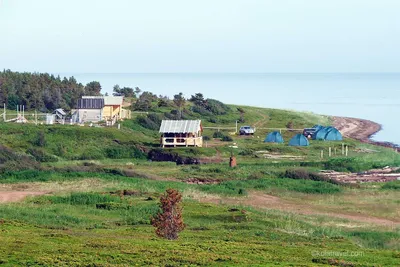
[{"x": 374, "y": 96}]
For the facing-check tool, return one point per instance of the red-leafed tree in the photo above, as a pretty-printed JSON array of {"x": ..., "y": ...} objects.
[{"x": 169, "y": 222}]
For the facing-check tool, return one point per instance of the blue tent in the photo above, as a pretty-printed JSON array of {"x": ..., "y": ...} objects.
[
  {"x": 318, "y": 127},
  {"x": 320, "y": 135},
  {"x": 299, "y": 140},
  {"x": 333, "y": 135},
  {"x": 274, "y": 137}
]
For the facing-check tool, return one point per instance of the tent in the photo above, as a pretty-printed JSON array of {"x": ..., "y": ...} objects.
[
  {"x": 318, "y": 127},
  {"x": 333, "y": 135},
  {"x": 299, "y": 140},
  {"x": 320, "y": 135},
  {"x": 274, "y": 137}
]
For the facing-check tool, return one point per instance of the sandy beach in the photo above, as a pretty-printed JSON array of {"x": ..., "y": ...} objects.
[{"x": 360, "y": 129}]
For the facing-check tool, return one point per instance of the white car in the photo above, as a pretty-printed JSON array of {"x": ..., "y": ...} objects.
[{"x": 246, "y": 130}]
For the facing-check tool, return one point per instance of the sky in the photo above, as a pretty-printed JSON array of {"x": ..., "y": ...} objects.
[{"x": 158, "y": 36}]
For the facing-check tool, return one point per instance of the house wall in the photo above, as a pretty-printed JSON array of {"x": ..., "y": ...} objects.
[
  {"x": 110, "y": 112},
  {"x": 89, "y": 115}
]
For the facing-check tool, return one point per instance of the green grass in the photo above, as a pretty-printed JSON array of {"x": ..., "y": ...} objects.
[
  {"x": 53, "y": 231},
  {"x": 83, "y": 223}
]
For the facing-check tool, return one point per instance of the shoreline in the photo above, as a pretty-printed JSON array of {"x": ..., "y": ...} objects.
[{"x": 361, "y": 130}]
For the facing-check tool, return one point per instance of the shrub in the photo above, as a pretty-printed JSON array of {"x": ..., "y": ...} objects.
[
  {"x": 40, "y": 139},
  {"x": 242, "y": 192},
  {"x": 216, "y": 107},
  {"x": 41, "y": 156},
  {"x": 218, "y": 135},
  {"x": 227, "y": 138},
  {"x": 206, "y": 138},
  {"x": 304, "y": 174},
  {"x": 168, "y": 222},
  {"x": 394, "y": 185}
]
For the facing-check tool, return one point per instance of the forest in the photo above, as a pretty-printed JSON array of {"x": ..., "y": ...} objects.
[{"x": 42, "y": 91}]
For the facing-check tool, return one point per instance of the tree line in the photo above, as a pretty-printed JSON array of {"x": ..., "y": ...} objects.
[{"x": 42, "y": 91}]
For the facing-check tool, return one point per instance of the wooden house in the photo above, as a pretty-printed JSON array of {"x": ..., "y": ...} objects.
[
  {"x": 181, "y": 133},
  {"x": 101, "y": 108}
]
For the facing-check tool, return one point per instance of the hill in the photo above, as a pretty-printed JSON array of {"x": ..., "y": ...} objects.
[{"x": 94, "y": 189}]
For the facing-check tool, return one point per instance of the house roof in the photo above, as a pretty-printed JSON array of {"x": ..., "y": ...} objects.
[
  {"x": 180, "y": 126},
  {"x": 90, "y": 103},
  {"x": 108, "y": 100},
  {"x": 61, "y": 111}
]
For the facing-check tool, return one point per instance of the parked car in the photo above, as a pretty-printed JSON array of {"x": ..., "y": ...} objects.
[
  {"x": 246, "y": 130},
  {"x": 309, "y": 132}
]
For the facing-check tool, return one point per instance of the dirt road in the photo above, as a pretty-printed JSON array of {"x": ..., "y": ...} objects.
[{"x": 15, "y": 196}]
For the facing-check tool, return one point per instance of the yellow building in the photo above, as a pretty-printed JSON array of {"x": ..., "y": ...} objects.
[{"x": 112, "y": 110}]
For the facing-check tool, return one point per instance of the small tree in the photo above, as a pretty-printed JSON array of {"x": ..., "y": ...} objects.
[
  {"x": 168, "y": 222},
  {"x": 242, "y": 112},
  {"x": 179, "y": 101}
]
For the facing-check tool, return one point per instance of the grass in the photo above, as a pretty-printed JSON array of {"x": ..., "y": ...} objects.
[
  {"x": 86, "y": 221},
  {"x": 63, "y": 232}
]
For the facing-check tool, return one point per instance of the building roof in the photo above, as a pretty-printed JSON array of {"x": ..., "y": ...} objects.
[
  {"x": 108, "y": 100},
  {"x": 180, "y": 126},
  {"x": 90, "y": 103},
  {"x": 61, "y": 111}
]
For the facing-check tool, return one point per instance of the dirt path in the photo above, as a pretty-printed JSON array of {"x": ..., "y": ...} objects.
[
  {"x": 15, "y": 196},
  {"x": 260, "y": 200},
  {"x": 264, "y": 120}
]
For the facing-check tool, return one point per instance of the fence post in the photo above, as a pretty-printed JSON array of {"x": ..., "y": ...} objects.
[
  {"x": 322, "y": 154},
  {"x": 342, "y": 148},
  {"x": 347, "y": 151}
]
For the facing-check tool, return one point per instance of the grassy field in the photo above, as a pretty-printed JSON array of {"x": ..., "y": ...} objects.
[
  {"x": 69, "y": 227},
  {"x": 254, "y": 214}
]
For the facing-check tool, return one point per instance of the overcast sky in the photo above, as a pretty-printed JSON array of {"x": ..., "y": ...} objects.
[{"x": 131, "y": 36}]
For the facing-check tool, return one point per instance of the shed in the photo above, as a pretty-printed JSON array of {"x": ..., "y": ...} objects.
[
  {"x": 181, "y": 133},
  {"x": 299, "y": 140},
  {"x": 274, "y": 137}
]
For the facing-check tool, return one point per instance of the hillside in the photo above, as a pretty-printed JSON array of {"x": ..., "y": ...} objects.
[{"x": 93, "y": 191}]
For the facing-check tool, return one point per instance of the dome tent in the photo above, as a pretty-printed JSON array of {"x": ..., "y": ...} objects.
[
  {"x": 320, "y": 135},
  {"x": 318, "y": 127},
  {"x": 299, "y": 140},
  {"x": 333, "y": 135},
  {"x": 274, "y": 137}
]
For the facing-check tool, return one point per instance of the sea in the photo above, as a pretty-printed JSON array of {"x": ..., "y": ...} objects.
[{"x": 372, "y": 96}]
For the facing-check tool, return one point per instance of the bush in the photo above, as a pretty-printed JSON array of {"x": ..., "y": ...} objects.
[
  {"x": 41, "y": 156},
  {"x": 227, "y": 138},
  {"x": 206, "y": 138},
  {"x": 393, "y": 185},
  {"x": 112, "y": 206},
  {"x": 152, "y": 121},
  {"x": 168, "y": 221},
  {"x": 218, "y": 135},
  {"x": 216, "y": 107},
  {"x": 124, "y": 152},
  {"x": 40, "y": 139},
  {"x": 307, "y": 175}
]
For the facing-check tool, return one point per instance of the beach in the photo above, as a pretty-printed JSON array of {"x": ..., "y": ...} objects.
[{"x": 361, "y": 130}]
